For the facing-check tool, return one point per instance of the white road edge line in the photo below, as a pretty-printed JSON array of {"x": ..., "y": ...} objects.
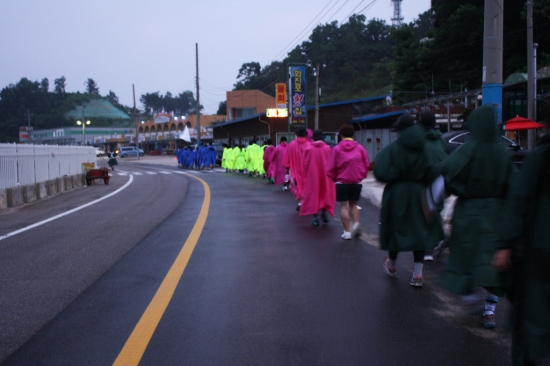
[{"x": 68, "y": 212}]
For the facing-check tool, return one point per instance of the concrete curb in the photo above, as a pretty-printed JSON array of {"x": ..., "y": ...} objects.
[{"x": 17, "y": 196}]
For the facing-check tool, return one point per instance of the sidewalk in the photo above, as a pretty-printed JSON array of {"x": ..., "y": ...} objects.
[{"x": 372, "y": 190}]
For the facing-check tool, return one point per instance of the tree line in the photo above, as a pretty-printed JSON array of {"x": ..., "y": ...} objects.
[
  {"x": 33, "y": 103},
  {"x": 440, "y": 51}
]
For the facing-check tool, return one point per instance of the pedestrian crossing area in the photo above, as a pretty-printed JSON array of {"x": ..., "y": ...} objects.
[{"x": 165, "y": 172}]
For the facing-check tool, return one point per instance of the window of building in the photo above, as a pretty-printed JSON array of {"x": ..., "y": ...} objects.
[{"x": 243, "y": 112}]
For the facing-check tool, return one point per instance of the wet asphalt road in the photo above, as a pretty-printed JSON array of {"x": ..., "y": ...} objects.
[{"x": 263, "y": 287}]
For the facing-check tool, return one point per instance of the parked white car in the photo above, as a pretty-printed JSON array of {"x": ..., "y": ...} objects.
[{"x": 99, "y": 151}]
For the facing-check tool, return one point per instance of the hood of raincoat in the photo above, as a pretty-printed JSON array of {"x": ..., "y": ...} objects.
[
  {"x": 482, "y": 124},
  {"x": 318, "y": 144},
  {"x": 412, "y": 138},
  {"x": 433, "y": 134},
  {"x": 348, "y": 145}
]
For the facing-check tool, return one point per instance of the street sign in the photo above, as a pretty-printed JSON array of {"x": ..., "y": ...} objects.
[
  {"x": 276, "y": 112},
  {"x": 280, "y": 95},
  {"x": 297, "y": 84}
]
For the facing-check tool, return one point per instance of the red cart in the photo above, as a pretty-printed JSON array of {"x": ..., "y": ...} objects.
[{"x": 93, "y": 174}]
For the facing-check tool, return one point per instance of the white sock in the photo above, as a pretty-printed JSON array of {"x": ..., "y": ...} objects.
[
  {"x": 418, "y": 269},
  {"x": 470, "y": 298}
]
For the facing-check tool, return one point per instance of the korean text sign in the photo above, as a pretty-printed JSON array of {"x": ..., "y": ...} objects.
[{"x": 297, "y": 86}]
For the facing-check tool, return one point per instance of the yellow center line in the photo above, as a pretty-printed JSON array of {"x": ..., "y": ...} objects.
[{"x": 135, "y": 346}]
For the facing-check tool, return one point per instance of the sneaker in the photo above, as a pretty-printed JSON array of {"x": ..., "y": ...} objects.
[
  {"x": 324, "y": 217},
  {"x": 346, "y": 235},
  {"x": 428, "y": 257},
  {"x": 355, "y": 229},
  {"x": 391, "y": 271},
  {"x": 315, "y": 222},
  {"x": 284, "y": 188},
  {"x": 298, "y": 207},
  {"x": 416, "y": 281},
  {"x": 487, "y": 320},
  {"x": 440, "y": 248}
]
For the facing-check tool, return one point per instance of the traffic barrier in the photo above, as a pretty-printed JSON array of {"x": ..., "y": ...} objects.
[{"x": 22, "y": 164}]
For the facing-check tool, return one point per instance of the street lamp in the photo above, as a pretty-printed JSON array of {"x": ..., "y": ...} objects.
[{"x": 83, "y": 129}]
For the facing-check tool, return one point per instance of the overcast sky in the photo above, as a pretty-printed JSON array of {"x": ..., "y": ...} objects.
[{"x": 152, "y": 43}]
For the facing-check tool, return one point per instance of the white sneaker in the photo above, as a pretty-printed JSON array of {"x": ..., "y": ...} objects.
[
  {"x": 346, "y": 235},
  {"x": 355, "y": 229},
  {"x": 428, "y": 257}
]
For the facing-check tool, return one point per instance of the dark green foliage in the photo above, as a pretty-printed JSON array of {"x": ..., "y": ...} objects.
[
  {"x": 182, "y": 104},
  {"x": 31, "y": 100},
  {"x": 222, "y": 108},
  {"x": 354, "y": 61},
  {"x": 91, "y": 87},
  {"x": 455, "y": 53}
]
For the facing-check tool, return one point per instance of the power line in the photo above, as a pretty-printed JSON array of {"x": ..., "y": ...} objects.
[{"x": 306, "y": 28}]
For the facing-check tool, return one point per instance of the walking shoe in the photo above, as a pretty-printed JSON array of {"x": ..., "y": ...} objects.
[
  {"x": 298, "y": 207},
  {"x": 440, "y": 248},
  {"x": 346, "y": 235},
  {"x": 487, "y": 320},
  {"x": 428, "y": 257},
  {"x": 355, "y": 229},
  {"x": 315, "y": 222},
  {"x": 416, "y": 281},
  {"x": 391, "y": 271},
  {"x": 324, "y": 217}
]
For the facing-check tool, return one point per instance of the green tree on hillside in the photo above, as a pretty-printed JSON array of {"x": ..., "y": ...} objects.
[
  {"x": 91, "y": 87},
  {"x": 60, "y": 86}
]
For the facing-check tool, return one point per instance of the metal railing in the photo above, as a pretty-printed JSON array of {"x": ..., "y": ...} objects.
[{"x": 22, "y": 164}]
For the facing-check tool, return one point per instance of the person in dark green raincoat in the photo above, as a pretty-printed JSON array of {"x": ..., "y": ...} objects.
[
  {"x": 436, "y": 150},
  {"x": 525, "y": 252},
  {"x": 479, "y": 174},
  {"x": 406, "y": 168}
]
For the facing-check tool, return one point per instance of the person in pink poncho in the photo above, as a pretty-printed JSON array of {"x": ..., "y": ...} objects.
[
  {"x": 279, "y": 171},
  {"x": 293, "y": 162},
  {"x": 319, "y": 196},
  {"x": 267, "y": 159},
  {"x": 347, "y": 166}
]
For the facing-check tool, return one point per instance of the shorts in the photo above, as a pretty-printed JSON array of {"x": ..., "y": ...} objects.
[{"x": 348, "y": 192}]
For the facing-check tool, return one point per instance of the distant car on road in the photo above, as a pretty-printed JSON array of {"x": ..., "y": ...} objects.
[
  {"x": 454, "y": 139},
  {"x": 99, "y": 151},
  {"x": 129, "y": 151}
]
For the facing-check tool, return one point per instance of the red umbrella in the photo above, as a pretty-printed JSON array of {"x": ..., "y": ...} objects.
[{"x": 520, "y": 123}]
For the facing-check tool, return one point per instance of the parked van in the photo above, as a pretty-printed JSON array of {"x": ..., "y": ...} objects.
[{"x": 129, "y": 151}]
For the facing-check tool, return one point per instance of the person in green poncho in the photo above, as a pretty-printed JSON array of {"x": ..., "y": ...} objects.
[
  {"x": 479, "y": 174},
  {"x": 251, "y": 154},
  {"x": 234, "y": 155},
  {"x": 407, "y": 169},
  {"x": 240, "y": 159},
  {"x": 525, "y": 253},
  {"x": 436, "y": 150},
  {"x": 225, "y": 157}
]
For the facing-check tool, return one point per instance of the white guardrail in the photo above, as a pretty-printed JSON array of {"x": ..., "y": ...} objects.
[{"x": 22, "y": 164}]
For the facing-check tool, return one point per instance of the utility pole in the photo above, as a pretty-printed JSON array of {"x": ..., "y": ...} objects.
[
  {"x": 317, "y": 71},
  {"x": 135, "y": 120},
  {"x": 531, "y": 75},
  {"x": 198, "y": 99},
  {"x": 492, "y": 56}
]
